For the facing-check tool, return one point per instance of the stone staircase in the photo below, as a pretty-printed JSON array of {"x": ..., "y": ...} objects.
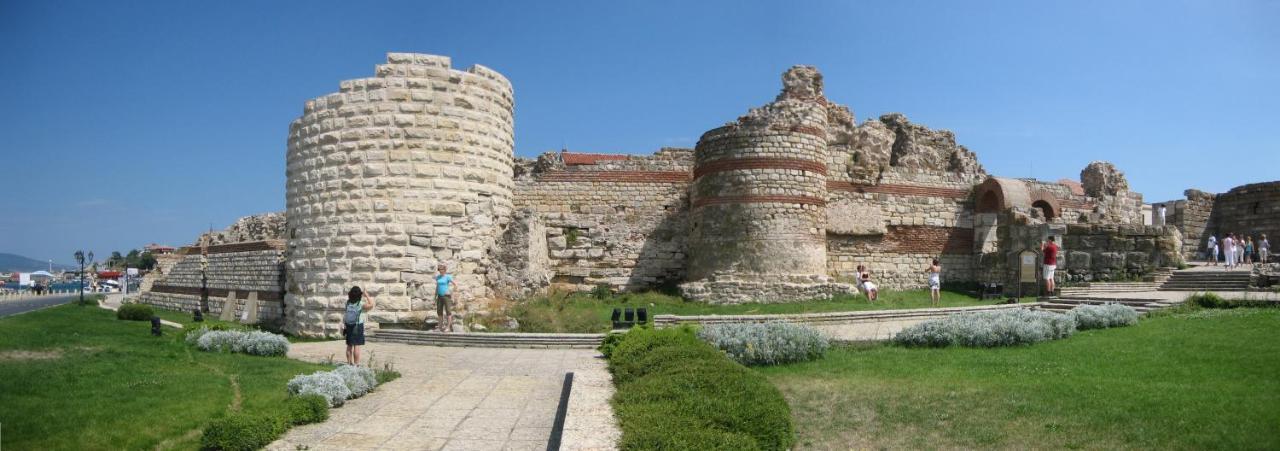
[
  {"x": 1142, "y": 306},
  {"x": 488, "y": 340},
  {"x": 1207, "y": 280}
]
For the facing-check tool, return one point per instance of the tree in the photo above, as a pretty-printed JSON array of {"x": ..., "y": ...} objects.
[
  {"x": 116, "y": 260},
  {"x": 133, "y": 259},
  {"x": 146, "y": 261}
]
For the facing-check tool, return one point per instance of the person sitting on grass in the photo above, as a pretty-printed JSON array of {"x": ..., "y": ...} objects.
[
  {"x": 857, "y": 279},
  {"x": 872, "y": 293},
  {"x": 935, "y": 282},
  {"x": 358, "y": 304},
  {"x": 444, "y": 298}
]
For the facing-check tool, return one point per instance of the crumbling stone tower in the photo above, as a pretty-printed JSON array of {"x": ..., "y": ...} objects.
[
  {"x": 758, "y": 223},
  {"x": 390, "y": 176}
]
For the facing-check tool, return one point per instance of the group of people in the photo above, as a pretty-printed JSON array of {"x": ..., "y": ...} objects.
[
  {"x": 868, "y": 288},
  {"x": 360, "y": 302},
  {"x": 1238, "y": 250}
]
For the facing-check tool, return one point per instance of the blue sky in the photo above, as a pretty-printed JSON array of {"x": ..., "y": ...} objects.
[{"x": 125, "y": 123}]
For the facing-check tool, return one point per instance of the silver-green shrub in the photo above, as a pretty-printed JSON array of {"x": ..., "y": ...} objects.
[
  {"x": 252, "y": 342},
  {"x": 989, "y": 329},
  {"x": 359, "y": 380},
  {"x": 769, "y": 343},
  {"x": 337, "y": 385},
  {"x": 328, "y": 384},
  {"x": 1103, "y": 316}
]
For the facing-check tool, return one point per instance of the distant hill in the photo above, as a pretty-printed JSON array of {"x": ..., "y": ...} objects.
[{"x": 11, "y": 263}]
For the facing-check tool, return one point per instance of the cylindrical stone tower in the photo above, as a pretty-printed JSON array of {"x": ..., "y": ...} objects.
[
  {"x": 758, "y": 230},
  {"x": 390, "y": 176}
]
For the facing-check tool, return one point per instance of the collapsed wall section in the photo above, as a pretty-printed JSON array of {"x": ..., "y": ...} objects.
[{"x": 389, "y": 177}]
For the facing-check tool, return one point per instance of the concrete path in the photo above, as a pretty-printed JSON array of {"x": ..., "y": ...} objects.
[{"x": 464, "y": 399}]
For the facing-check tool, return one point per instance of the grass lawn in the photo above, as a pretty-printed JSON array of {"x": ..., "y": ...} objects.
[
  {"x": 75, "y": 377},
  {"x": 582, "y": 312},
  {"x": 1192, "y": 380}
]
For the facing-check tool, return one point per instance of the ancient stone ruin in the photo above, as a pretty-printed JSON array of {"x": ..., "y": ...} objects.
[
  {"x": 414, "y": 167},
  {"x": 1252, "y": 210}
]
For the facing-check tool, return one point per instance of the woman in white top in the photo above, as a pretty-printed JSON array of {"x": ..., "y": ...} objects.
[
  {"x": 935, "y": 282},
  {"x": 872, "y": 293},
  {"x": 1229, "y": 250}
]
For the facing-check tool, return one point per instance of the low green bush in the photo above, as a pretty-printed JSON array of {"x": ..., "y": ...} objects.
[
  {"x": 135, "y": 312},
  {"x": 242, "y": 432},
  {"x": 677, "y": 392},
  {"x": 608, "y": 344},
  {"x": 307, "y": 409},
  {"x": 1211, "y": 300}
]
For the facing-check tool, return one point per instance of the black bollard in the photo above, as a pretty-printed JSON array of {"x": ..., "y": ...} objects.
[
  {"x": 155, "y": 326},
  {"x": 197, "y": 317}
]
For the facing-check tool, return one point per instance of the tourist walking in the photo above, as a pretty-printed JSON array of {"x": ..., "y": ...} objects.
[
  {"x": 444, "y": 298},
  {"x": 935, "y": 282},
  {"x": 1248, "y": 251},
  {"x": 1229, "y": 251},
  {"x": 1264, "y": 248},
  {"x": 1050, "y": 250},
  {"x": 358, "y": 305},
  {"x": 1213, "y": 250}
]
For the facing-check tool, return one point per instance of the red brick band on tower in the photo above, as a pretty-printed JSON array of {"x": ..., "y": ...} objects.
[
  {"x": 803, "y": 200},
  {"x": 733, "y": 164}
]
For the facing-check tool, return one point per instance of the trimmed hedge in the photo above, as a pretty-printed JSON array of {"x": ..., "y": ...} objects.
[
  {"x": 135, "y": 312},
  {"x": 677, "y": 392},
  {"x": 337, "y": 385},
  {"x": 242, "y": 432},
  {"x": 770, "y": 343},
  {"x": 307, "y": 409},
  {"x": 1211, "y": 300}
]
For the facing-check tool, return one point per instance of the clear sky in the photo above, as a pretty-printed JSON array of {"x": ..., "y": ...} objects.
[{"x": 124, "y": 123}]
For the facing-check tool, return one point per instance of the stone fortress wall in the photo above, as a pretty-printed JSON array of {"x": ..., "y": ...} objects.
[
  {"x": 413, "y": 167},
  {"x": 251, "y": 271},
  {"x": 391, "y": 176},
  {"x": 1252, "y": 210}
]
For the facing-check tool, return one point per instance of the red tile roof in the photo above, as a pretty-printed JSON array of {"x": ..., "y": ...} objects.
[{"x": 575, "y": 158}]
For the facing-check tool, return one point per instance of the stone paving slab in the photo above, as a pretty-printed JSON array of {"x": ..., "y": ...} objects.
[{"x": 452, "y": 398}]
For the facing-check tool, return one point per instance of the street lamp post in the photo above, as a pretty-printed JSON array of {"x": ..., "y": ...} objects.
[{"x": 80, "y": 258}]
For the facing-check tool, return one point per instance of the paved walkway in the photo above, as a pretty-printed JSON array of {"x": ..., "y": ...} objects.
[{"x": 464, "y": 399}]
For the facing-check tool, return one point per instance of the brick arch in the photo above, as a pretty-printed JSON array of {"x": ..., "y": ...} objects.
[
  {"x": 997, "y": 194},
  {"x": 1046, "y": 202}
]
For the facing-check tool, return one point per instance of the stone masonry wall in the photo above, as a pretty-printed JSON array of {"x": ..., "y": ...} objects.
[
  {"x": 243, "y": 268},
  {"x": 758, "y": 200},
  {"x": 390, "y": 176},
  {"x": 617, "y": 222},
  {"x": 1118, "y": 251},
  {"x": 1249, "y": 210}
]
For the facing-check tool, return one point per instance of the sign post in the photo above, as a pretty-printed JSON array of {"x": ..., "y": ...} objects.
[{"x": 1027, "y": 271}]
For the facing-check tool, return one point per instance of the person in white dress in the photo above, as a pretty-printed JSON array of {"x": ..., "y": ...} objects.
[
  {"x": 1212, "y": 247},
  {"x": 1229, "y": 250}
]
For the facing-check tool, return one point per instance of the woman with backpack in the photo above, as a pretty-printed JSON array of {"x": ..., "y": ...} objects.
[{"x": 358, "y": 303}]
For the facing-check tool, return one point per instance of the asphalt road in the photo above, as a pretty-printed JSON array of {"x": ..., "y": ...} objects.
[{"x": 8, "y": 308}]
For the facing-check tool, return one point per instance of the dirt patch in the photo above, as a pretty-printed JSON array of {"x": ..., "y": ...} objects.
[{"x": 21, "y": 355}]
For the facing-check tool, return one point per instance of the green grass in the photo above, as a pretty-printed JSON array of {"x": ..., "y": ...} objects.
[
  {"x": 1198, "y": 379},
  {"x": 74, "y": 377},
  {"x": 584, "y": 313}
]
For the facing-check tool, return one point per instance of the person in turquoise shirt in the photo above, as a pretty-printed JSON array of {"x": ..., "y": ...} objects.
[{"x": 444, "y": 298}]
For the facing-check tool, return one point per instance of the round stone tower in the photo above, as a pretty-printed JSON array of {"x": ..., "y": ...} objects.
[
  {"x": 389, "y": 177},
  {"x": 757, "y": 224}
]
